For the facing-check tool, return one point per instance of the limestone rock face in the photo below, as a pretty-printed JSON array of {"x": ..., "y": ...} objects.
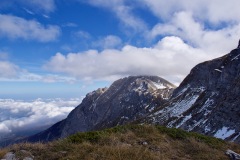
[
  {"x": 207, "y": 101},
  {"x": 126, "y": 100}
]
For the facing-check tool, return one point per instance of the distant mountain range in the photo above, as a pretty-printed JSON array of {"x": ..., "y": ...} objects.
[{"x": 207, "y": 101}]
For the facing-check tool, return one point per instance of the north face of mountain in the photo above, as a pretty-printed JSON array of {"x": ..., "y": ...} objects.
[
  {"x": 124, "y": 101},
  {"x": 207, "y": 101}
]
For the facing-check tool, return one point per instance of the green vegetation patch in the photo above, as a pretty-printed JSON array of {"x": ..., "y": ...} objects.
[
  {"x": 181, "y": 134},
  {"x": 94, "y": 136},
  {"x": 135, "y": 142},
  {"x": 144, "y": 130}
]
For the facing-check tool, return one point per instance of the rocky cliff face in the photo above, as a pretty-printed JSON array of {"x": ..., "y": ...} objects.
[
  {"x": 207, "y": 101},
  {"x": 124, "y": 101}
]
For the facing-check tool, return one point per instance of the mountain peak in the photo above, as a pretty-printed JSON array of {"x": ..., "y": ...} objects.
[{"x": 126, "y": 100}]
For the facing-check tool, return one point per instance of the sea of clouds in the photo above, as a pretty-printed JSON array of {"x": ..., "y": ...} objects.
[{"x": 19, "y": 115}]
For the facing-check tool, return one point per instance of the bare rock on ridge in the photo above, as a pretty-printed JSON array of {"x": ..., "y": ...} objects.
[{"x": 126, "y": 100}]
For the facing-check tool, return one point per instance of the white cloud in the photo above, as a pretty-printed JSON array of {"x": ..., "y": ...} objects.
[
  {"x": 213, "y": 11},
  {"x": 183, "y": 24},
  {"x": 47, "y": 78},
  {"x": 109, "y": 41},
  {"x": 4, "y": 128},
  {"x": 82, "y": 34},
  {"x": 46, "y": 16},
  {"x": 199, "y": 23},
  {"x": 28, "y": 11},
  {"x": 12, "y": 72},
  {"x": 15, "y": 27},
  {"x": 19, "y": 75},
  {"x": 8, "y": 70},
  {"x": 30, "y": 6},
  {"x": 42, "y": 5},
  {"x": 170, "y": 58},
  {"x": 18, "y": 115},
  {"x": 122, "y": 11}
]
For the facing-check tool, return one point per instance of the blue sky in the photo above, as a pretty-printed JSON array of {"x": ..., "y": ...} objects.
[{"x": 67, "y": 48}]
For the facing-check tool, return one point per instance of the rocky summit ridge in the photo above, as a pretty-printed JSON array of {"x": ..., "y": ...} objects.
[{"x": 125, "y": 101}]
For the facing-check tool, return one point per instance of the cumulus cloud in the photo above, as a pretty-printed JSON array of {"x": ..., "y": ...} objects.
[
  {"x": 199, "y": 23},
  {"x": 18, "y": 115},
  {"x": 170, "y": 58},
  {"x": 15, "y": 27},
  {"x": 211, "y": 41},
  {"x": 212, "y": 11}
]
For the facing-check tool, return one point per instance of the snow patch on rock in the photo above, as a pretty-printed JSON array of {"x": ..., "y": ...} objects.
[
  {"x": 224, "y": 133},
  {"x": 159, "y": 86},
  {"x": 182, "y": 106}
]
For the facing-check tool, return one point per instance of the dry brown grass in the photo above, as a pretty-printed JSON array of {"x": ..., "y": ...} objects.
[
  {"x": 3, "y": 152},
  {"x": 130, "y": 142}
]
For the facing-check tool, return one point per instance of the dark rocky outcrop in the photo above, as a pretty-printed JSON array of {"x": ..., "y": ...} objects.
[
  {"x": 207, "y": 101},
  {"x": 124, "y": 101}
]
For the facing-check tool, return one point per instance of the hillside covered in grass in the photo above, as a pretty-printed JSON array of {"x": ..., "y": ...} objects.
[{"x": 135, "y": 142}]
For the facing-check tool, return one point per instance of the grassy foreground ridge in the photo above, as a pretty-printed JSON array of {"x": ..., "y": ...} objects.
[{"x": 135, "y": 142}]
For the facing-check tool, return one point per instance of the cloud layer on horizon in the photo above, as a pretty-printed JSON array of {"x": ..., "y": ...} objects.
[{"x": 16, "y": 115}]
